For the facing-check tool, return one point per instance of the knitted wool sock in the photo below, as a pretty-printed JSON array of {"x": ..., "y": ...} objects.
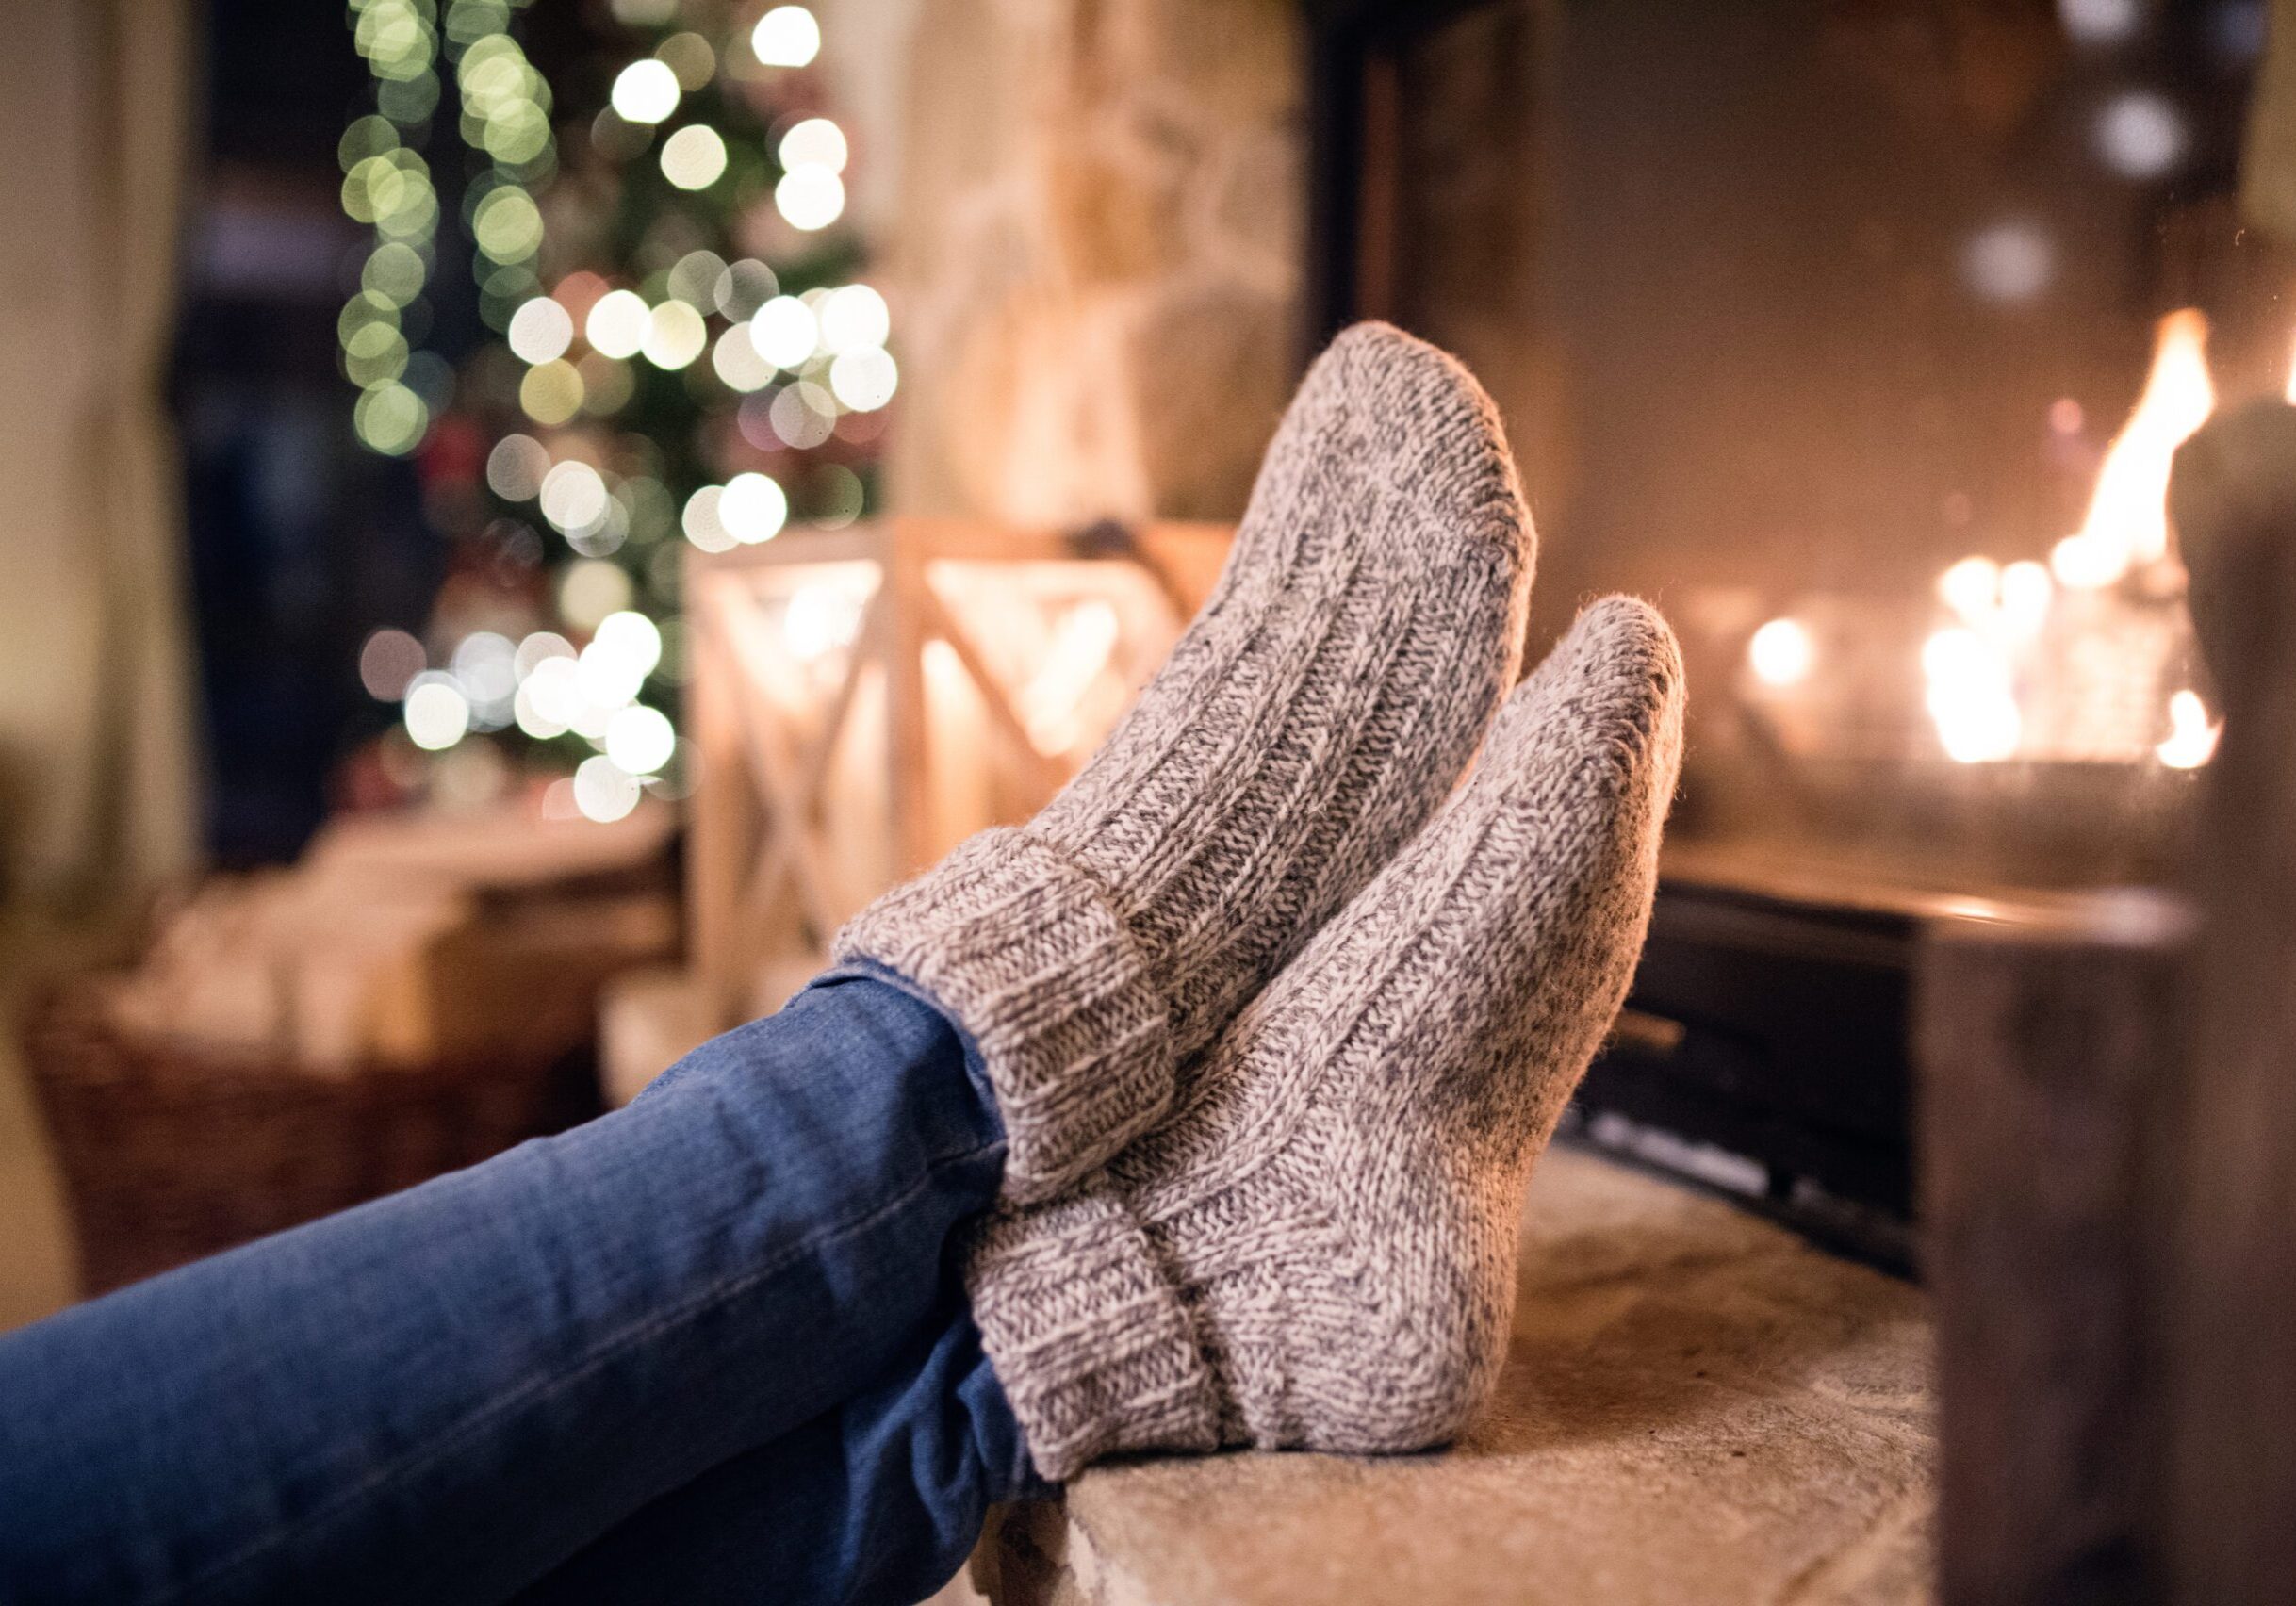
[
  {"x": 1366, "y": 624},
  {"x": 1317, "y": 1248}
]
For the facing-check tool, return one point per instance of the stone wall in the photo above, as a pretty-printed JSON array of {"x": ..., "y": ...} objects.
[{"x": 1096, "y": 254}]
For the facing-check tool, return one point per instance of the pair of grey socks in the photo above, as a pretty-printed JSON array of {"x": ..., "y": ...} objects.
[{"x": 1276, "y": 1031}]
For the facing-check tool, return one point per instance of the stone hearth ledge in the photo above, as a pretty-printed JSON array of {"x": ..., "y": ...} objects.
[{"x": 1698, "y": 1407}]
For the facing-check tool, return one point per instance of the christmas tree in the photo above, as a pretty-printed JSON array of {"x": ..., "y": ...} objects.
[{"x": 675, "y": 350}]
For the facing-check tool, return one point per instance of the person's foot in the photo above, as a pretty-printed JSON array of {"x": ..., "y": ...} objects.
[
  {"x": 1368, "y": 623},
  {"x": 1317, "y": 1250}
]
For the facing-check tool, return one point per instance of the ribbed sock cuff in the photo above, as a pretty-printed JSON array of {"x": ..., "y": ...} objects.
[
  {"x": 1096, "y": 1348},
  {"x": 1029, "y": 954}
]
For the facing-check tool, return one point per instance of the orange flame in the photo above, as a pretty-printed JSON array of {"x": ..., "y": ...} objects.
[{"x": 2127, "y": 523}]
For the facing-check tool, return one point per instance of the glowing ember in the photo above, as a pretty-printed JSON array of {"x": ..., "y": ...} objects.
[{"x": 2127, "y": 524}]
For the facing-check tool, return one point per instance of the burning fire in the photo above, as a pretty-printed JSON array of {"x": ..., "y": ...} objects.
[
  {"x": 1972, "y": 667},
  {"x": 2128, "y": 522}
]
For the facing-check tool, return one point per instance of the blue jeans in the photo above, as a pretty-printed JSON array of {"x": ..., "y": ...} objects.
[{"x": 708, "y": 1348}]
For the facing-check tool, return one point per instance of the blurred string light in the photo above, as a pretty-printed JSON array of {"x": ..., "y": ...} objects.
[
  {"x": 506, "y": 107},
  {"x": 788, "y": 365},
  {"x": 386, "y": 185},
  {"x": 787, "y": 35}
]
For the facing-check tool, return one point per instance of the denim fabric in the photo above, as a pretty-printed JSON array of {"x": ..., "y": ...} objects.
[
  {"x": 876, "y": 1501},
  {"x": 442, "y": 1395}
]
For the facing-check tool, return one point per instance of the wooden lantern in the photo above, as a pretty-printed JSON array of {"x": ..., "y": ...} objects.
[{"x": 862, "y": 699}]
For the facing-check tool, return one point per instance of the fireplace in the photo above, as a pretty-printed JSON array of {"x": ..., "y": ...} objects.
[{"x": 1858, "y": 334}]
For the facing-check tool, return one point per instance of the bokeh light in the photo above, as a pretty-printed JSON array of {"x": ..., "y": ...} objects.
[
  {"x": 674, "y": 335},
  {"x": 864, "y": 380},
  {"x": 388, "y": 664},
  {"x": 815, "y": 142},
  {"x": 700, "y": 522},
  {"x": 1781, "y": 652},
  {"x": 603, "y": 790},
  {"x": 785, "y": 332},
  {"x": 640, "y": 740},
  {"x": 854, "y": 317},
  {"x": 574, "y": 498},
  {"x": 2140, "y": 135},
  {"x": 809, "y": 198},
  {"x": 616, "y": 325},
  {"x": 645, "y": 92},
  {"x": 390, "y": 419},
  {"x": 694, "y": 157},
  {"x": 551, "y": 392},
  {"x": 540, "y": 331},
  {"x": 787, "y": 35},
  {"x": 752, "y": 508},
  {"x": 507, "y": 225},
  {"x": 737, "y": 362},
  {"x": 514, "y": 468},
  {"x": 688, "y": 56},
  {"x": 694, "y": 279},
  {"x": 591, "y": 589},
  {"x": 745, "y": 287},
  {"x": 437, "y": 714}
]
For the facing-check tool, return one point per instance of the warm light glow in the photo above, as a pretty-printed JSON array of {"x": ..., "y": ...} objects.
[
  {"x": 616, "y": 325},
  {"x": 752, "y": 508},
  {"x": 2289, "y": 395},
  {"x": 640, "y": 740},
  {"x": 737, "y": 361},
  {"x": 603, "y": 790},
  {"x": 784, "y": 331},
  {"x": 1971, "y": 698},
  {"x": 701, "y": 523},
  {"x": 645, "y": 92},
  {"x": 821, "y": 618},
  {"x": 810, "y": 197},
  {"x": 591, "y": 589},
  {"x": 437, "y": 714},
  {"x": 2128, "y": 523},
  {"x": 2026, "y": 591},
  {"x": 1781, "y": 652},
  {"x": 2192, "y": 739},
  {"x": 864, "y": 380},
  {"x": 551, "y": 392},
  {"x": 547, "y": 699},
  {"x": 674, "y": 335},
  {"x": 815, "y": 142},
  {"x": 787, "y": 35},
  {"x": 854, "y": 318},
  {"x": 1970, "y": 588},
  {"x": 540, "y": 331},
  {"x": 1082, "y": 642},
  {"x": 632, "y": 637},
  {"x": 694, "y": 157},
  {"x": 514, "y": 468},
  {"x": 574, "y": 498}
]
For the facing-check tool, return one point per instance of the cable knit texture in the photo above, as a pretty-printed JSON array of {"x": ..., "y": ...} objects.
[
  {"x": 1365, "y": 626},
  {"x": 1317, "y": 1251}
]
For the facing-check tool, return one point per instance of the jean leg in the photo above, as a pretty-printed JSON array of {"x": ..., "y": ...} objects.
[
  {"x": 877, "y": 1503},
  {"x": 440, "y": 1396}
]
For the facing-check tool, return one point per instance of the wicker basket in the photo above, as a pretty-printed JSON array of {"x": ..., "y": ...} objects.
[{"x": 170, "y": 1152}]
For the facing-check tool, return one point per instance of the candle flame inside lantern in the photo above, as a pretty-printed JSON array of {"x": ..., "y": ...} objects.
[{"x": 2127, "y": 524}]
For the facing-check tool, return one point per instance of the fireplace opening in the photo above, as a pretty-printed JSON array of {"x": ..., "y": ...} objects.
[{"x": 1858, "y": 334}]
